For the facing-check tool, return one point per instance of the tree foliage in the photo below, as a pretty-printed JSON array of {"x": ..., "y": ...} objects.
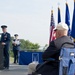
[{"x": 26, "y": 44}]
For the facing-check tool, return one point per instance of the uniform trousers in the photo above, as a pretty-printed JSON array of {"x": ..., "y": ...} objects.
[
  {"x": 15, "y": 52},
  {"x": 6, "y": 57}
]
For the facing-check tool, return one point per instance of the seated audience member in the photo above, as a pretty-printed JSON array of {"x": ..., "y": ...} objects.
[{"x": 53, "y": 51}]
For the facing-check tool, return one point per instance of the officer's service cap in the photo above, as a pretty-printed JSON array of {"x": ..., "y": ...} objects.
[
  {"x": 3, "y": 26},
  {"x": 16, "y": 35}
]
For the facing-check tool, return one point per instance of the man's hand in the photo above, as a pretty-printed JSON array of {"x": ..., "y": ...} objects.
[
  {"x": 3, "y": 43},
  {"x": 14, "y": 44}
]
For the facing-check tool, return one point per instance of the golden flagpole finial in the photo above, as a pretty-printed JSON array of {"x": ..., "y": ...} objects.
[
  {"x": 66, "y": 2},
  {"x": 58, "y": 6},
  {"x": 52, "y": 10}
]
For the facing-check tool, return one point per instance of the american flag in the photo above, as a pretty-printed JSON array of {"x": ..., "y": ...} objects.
[{"x": 52, "y": 26}]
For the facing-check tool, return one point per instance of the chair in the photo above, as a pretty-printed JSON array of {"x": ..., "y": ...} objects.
[{"x": 67, "y": 61}]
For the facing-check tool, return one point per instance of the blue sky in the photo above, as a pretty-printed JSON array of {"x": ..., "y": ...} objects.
[{"x": 31, "y": 18}]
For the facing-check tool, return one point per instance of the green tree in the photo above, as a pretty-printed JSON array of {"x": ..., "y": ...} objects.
[{"x": 25, "y": 45}]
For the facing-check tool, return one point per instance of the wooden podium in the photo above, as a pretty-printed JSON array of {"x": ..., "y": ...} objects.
[{"x": 1, "y": 57}]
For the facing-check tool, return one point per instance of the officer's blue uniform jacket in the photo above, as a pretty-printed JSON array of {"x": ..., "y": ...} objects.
[
  {"x": 5, "y": 37},
  {"x": 17, "y": 47}
]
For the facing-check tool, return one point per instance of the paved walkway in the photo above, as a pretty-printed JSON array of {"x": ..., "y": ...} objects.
[{"x": 15, "y": 70}]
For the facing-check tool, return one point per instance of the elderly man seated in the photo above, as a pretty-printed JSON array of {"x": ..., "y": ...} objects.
[{"x": 53, "y": 51}]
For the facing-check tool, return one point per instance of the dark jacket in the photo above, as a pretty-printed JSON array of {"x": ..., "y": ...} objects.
[
  {"x": 53, "y": 51},
  {"x": 6, "y": 39}
]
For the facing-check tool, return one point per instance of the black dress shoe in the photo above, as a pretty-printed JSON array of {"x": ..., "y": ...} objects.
[
  {"x": 2, "y": 68},
  {"x": 6, "y": 69}
]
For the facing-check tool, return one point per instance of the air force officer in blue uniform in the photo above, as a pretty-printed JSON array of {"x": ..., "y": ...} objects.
[
  {"x": 16, "y": 48},
  {"x": 5, "y": 40}
]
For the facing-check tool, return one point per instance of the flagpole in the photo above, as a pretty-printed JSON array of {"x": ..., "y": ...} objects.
[
  {"x": 74, "y": 0},
  {"x": 52, "y": 10},
  {"x": 66, "y": 2},
  {"x": 58, "y": 6}
]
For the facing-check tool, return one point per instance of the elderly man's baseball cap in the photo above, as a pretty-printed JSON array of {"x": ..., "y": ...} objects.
[
  {"x": 3, "y": 26},
  {"x": 61, "y": 26}
]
